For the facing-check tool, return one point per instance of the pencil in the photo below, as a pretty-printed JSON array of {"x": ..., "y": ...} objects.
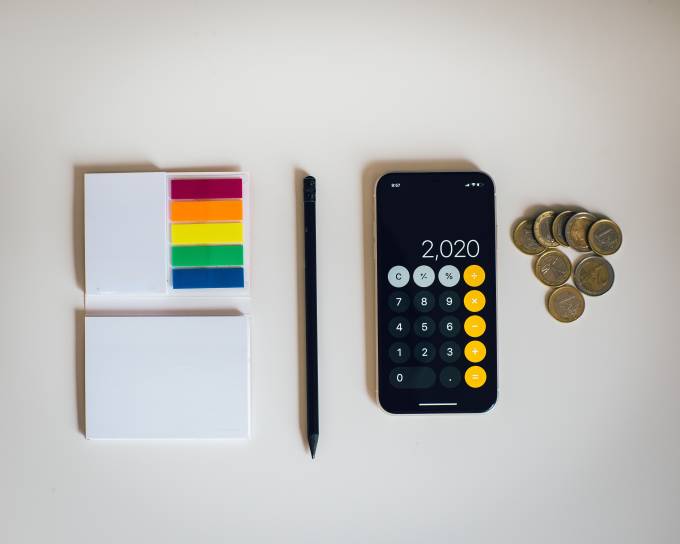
[{"x": 309, "y": 196}]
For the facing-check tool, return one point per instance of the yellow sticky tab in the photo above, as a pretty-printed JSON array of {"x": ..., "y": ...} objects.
[{"x": 206, "y": 233}]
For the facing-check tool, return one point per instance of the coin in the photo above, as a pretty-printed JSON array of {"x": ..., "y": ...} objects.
[
  {"x": 553, "y": 267},
  {"x": 523, "y": 237},
  {"x": 566, "y": 304},
  {"x": 558, "y": 226},
  {"x": 605, "y": 237},
  {"x": 594, "y": 276},
  {"x": 543, "y": 229},
  {"x": 576, "y": 230}
]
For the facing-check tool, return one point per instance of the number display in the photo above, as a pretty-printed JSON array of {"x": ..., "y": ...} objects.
[{"x": 447, "y": 249}]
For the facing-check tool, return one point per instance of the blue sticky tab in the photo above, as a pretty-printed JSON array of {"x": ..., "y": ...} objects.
[{"x": 207, "y": 278}]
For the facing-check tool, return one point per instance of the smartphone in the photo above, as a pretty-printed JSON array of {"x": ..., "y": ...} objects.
[{"x": 435, "y": 246}]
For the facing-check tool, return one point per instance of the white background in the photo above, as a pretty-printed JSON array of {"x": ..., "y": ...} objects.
[{"x": 572, "y": 103}]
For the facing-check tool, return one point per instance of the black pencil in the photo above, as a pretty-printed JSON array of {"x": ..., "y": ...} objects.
[{"x": 309, "y": 196}]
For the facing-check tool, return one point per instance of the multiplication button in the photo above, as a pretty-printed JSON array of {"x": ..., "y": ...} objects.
[
  {"x": 474, "y": 300},
  {"x": 398, "y": 276},
  {"x": 423, "y": 276},
  {"x": 448, "y": 275}
]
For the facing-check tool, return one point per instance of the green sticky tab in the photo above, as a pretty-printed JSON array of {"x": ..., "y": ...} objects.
[{"x": 207, "y": 256}]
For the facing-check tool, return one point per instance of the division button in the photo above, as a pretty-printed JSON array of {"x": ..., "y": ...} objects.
[
  {"x": 474, "y": 275},
  {"x": 475, "y": 376},
  {"x": 450, "y": 377},
  {"x": 475, "y": 351},
  {"x": 398, "y": 301},
  {"x": 449, "y": 301},
  {"x": 423, "y": 276},
  {"x": 398, "y": 276},
  {"x": 399, "y": 327},
  {"x": 474, "y": 300},
  {"x": 424, "y": 327},
  {"x": 412, "y": 377},
  {"x": 423, "y": 301},
  {"x": 449, "y": 352},
  {"x": 448, "y": 275},
  {"x": 399, "y": 352},
  {"x": 474, "y": 326},
  {"x": 424, "y": 352}
]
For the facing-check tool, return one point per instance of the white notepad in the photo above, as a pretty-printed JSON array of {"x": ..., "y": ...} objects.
[
  {"x": 167, "y": 377},
  {"x": 167, "y": 243}
]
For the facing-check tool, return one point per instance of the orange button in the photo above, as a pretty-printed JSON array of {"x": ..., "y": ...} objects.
[
  {"x": 474, "y": 300},
  {"x": 474, "y": 326},
  {"x": 475, "y": 351},
  {"x": 474, "y": 275},
  {"x": 475, "y": 376}
]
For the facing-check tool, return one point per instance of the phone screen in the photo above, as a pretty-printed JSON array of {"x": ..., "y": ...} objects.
[{"x": 436, "y": 292}]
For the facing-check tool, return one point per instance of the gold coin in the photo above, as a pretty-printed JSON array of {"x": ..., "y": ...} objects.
[
  {"x": 566, "y": 304},
  {"x": 523, "y": 237},
  {"x": 553, "y": 267},
  {"x": 543, "y": 229},
  {"x": 594, "y": 276},
  {"x": 576, "y": 230},
  {"x": 605, "y": 237},
  {"x": 558, "y": 226}
]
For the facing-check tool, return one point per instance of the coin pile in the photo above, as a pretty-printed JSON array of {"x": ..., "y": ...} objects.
[{"x": 582, "y": 232}]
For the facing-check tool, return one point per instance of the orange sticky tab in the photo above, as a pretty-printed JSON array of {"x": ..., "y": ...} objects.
[{"x": 206, "y": 210}]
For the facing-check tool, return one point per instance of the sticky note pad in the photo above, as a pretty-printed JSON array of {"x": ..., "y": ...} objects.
[
  {"x": 167, "y": 377},
  {"x": 125, "y": 233}
]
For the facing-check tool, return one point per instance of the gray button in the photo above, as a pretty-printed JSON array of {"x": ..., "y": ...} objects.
[
  {"x": 450, "y": 377},
  {"x": 398, "y": 302},
  {"x": 448, "y": 275},
  {"x": 423, "y": 276},
  {"x": 449, "y": 301},
  {"x": 423, "y": 301},
  {"x": 424, "y": 352},
  {"x": 449, "y": 352},
  {"x": 412, "y": 377},
  {"x": 449, "y": 326},
  {"x": 398, "y": 327},
  {"x": 399, "y": 352},
  {"x": 398, "y": 276},
  {"x": 424, "y": 327}
]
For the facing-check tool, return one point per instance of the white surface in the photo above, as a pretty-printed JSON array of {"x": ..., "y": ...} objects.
[
  {"x": 167, "y": 377},
  {"x": 125, "y": 233},
  {"x": 561, "y": 102}
]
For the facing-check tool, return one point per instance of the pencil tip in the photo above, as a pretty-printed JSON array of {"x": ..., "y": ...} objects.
[{"x": 313, "y": 440}]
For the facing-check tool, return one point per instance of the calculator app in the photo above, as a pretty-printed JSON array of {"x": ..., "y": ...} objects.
[{"x": 436, "y": 292}]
